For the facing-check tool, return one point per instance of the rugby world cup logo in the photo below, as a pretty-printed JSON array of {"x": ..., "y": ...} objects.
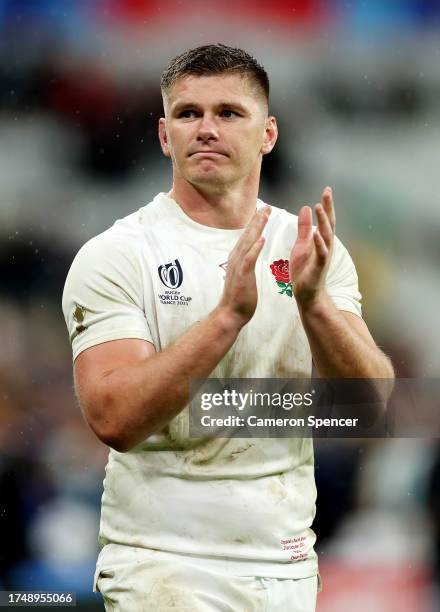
[{"x": 171, "y": 274}]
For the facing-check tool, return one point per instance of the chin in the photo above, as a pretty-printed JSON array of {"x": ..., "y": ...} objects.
[{"x": 209, "y": 178}]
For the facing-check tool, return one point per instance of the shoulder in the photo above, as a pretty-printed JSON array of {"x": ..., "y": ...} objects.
[
  {"x": 112, "y": 258},
  {"x": 120, "y": 240}
]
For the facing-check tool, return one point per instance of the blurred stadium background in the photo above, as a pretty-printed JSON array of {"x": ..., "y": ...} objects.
[{"x": 355, "y": 87}]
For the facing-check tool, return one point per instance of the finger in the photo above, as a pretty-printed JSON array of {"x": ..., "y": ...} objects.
[
  {"x": 321, "y": 248},
  {"x": 253, "y": 230},
  {"x": 327, "y": 203},
  {"x": 324, "y": 226},
  {"x": 305, "y": 223},
  {"x": 251, "y": 256}
]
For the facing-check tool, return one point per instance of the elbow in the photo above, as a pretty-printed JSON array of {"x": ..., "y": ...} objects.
[
  {"x": 110, "y": 434},
  {"x": 383, "y": 388},
  {"x": 389, "y": 372},
  {"x": 379, "y": 382},
  {"x": 117, "y": 422},
  {"x": 122, "y": 439},
  {"x": 386, "y": 383},
  {"x": 121, "y": 446},
  {"x": 114, "y": 436},
  {"x": 103, "y": 417}
]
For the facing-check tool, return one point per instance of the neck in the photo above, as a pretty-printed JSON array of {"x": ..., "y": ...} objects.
[{"x": 227, "y": 207}]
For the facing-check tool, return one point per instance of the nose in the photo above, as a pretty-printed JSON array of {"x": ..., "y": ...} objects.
[{"x": 207, "y": 129}]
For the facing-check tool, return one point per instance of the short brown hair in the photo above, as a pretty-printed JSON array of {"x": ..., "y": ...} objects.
[{"x": 215, "y": 59}]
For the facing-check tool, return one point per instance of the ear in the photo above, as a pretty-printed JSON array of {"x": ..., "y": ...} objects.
[
  {"x": 163, "y": 137},
  {"x": 270, "y": 135}
]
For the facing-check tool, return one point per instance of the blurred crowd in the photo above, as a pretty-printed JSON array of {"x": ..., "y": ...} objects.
[{"x": 355, "y": 89}]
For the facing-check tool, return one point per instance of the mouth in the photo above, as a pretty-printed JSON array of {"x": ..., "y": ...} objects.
[{"x": 208, "y": 154}]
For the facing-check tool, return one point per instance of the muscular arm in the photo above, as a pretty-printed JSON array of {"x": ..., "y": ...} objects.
[
  {"x": 341, "y": 345},
  {"x": 127, "y": 391}
]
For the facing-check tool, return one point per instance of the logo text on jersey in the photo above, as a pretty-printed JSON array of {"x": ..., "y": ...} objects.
[{"x": 171, "y": 274}]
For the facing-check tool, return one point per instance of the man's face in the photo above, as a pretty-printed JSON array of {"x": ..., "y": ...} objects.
[{"x": 216, "y": 129}]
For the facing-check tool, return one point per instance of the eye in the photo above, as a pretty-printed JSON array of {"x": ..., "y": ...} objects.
[
  {"x": 187, "y": 114},
  {"x": 228, "y": 113}
]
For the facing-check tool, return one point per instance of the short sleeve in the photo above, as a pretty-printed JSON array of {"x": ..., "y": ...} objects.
[
  {"x": 103, "y": 295},
  {"x": 342, "y": 281}
]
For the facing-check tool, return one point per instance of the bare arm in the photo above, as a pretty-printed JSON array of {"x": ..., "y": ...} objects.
[
  {"x": 127, "y": 391},
  {"x": 341, "y": 344}
]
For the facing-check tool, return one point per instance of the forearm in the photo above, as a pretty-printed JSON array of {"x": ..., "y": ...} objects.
[
  {"x": 142, "y": 398},
  {"x": 338, "y": 350}
]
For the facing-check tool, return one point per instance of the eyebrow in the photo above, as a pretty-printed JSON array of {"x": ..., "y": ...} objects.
[{"x": 187, "y": 104}]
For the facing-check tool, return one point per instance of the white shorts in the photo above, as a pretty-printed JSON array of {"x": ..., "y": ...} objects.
[{"x": 149, "y": 585}]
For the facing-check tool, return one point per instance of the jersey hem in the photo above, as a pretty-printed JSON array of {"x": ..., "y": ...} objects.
[{"x": 113, "y": 554}]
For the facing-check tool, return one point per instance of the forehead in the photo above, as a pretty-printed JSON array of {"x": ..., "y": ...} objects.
[{"x": 213, "y": 89}]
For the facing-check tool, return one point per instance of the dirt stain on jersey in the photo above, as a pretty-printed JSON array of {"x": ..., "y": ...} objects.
[
  {"x": 277, "y": 488},
  {"x": 205, "y": 453},
  {"x": 166, "y": 596},
  {"x": 242, "y": 540},
  {"x": 212, "y": 455},
  {"x": 241, "y": 449}
]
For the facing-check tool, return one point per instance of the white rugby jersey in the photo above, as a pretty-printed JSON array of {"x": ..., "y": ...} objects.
[{"x": 246, "y": 504}]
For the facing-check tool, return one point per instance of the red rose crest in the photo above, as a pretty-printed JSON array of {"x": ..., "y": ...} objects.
[{"x": 280, "y": 269}]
